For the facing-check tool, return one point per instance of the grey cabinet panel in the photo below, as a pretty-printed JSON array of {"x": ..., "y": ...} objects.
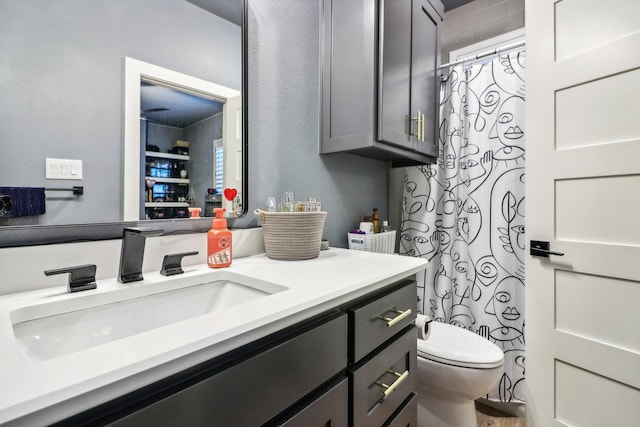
[
  {"x": 425, "y": 84},
  {"x": 331, "y": 409},
  {"x": 370, "y": 406},
  {"x": 408, "y": 84},
  {"x": 370, "y": 330},
  {"x": 256, "y": 390},
  {"x": 347, "y": 74},
  {"x": 407, "y": 416},
  {"x": 394, "y": 78}
]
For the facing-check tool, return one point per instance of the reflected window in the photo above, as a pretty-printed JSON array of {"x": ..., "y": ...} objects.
[{"x": 218, "y": 155}]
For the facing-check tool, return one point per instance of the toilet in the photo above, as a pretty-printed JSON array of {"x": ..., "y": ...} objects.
[{"x": 455, "y": 367}]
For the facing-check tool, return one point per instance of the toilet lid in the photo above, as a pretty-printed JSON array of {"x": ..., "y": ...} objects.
[{"x": 457, "y": 346}]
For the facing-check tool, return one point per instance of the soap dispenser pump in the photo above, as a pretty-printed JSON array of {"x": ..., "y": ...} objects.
[{"x": 219, "y": 241}]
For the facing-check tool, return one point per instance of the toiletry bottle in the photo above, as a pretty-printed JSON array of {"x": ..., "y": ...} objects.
[
  {"x": 376, "y": 221},
  {"x": 219, "y": 241},
  {"x": 385, "y": 226}
]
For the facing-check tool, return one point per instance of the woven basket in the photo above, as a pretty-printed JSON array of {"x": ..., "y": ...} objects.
[{"x": 292, "y": 236}]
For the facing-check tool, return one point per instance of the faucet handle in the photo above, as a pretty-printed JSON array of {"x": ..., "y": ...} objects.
[
  {"x": 171, "y": 264},
  {"x": 81, "y": 277},
  {"x": 145, "y": 231}
]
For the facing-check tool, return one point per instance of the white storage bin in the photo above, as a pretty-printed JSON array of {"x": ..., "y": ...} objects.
[{"x": 379, "y": 242}]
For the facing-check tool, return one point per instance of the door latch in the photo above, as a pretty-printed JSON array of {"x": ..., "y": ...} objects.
[{"x": 541, "y": 248}]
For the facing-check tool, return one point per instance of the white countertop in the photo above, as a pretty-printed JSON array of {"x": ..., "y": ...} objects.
[{"x": 38, "y": 392}]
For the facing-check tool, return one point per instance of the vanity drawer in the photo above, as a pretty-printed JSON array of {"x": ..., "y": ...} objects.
[
  {"x": 407, "y": 416},
  {"x": 331, "y": 409},
  {"x": 257, "y": 389},
  {"x": 391, "y": 371},
  {"x": 375, "y": 322}
]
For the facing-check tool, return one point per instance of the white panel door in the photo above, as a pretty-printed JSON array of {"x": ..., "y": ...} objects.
[{"x": 583, "y": 196}]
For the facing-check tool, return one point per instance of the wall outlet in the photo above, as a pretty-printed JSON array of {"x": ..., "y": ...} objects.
[{"x": 63, "y": 169}]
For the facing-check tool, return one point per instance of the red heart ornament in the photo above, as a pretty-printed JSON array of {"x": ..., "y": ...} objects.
[{"x": 230, "y": 193}]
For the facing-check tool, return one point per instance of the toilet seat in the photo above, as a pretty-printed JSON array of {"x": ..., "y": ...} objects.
[{"x": 459, "y": 347}]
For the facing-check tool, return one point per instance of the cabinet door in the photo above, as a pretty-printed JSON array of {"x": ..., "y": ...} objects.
[
  {"x": 425, "y": 83},
  {"x": 394, "y": 81},
  {"x": 408, "y": 87},
  {"x": 407, "y": 415},
  {"x": 348, "y": 58},
  {"x": 331, "y": 409},
  {"x": 255, "y": 390}
]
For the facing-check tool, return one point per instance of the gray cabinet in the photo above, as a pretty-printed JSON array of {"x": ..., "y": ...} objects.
[
  {"x": 330, "y": 409},
  {"x": 254, "y": 391},
  {"x": 354, "y": 365},
  {"x": 379, "y": 79},
  {"x": 383, "y": 356}
]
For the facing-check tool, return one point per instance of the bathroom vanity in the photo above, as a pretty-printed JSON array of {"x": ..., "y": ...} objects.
[{"x": 324, "y": 340}]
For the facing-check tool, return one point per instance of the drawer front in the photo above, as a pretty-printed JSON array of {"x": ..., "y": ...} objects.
[
  {"x": 374, "y": 323},
  {"x": 257, "y": 389},
  {"x": 407, "y": 416},
  {"x": 392, "y": 372},
  {"x": 331, "y": 409}
]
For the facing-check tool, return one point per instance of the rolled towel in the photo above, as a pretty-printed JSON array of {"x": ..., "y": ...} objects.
[{"x": 424, "y": 326}]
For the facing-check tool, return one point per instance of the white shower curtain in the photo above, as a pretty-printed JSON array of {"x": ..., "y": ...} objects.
[{"x": 466, "y": 214}]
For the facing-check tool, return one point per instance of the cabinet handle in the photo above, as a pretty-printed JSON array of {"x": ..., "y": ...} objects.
[
  {"x": 419, "y": 119},
  {"x": 401, "y": 315},
  {"x": 419, "y": 133},
  {"x": 388, "y": 389}
]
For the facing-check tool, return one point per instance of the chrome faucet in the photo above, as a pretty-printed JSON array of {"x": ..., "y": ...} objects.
[{"x": 132, "y": 252}]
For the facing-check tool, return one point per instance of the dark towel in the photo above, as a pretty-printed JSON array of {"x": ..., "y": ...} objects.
[{"x": 21, "y": 201}]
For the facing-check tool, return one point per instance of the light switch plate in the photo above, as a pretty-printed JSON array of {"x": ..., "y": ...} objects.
[{"x": 63, "y": 169}]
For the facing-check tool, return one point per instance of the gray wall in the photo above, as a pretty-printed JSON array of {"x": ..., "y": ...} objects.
[
  {"x": 479, "y": 20},
  {"x": 61, "y": 86},
  {"x": 284, "y": 85}
]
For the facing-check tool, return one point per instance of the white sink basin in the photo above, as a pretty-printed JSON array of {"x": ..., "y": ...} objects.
[{"x": 78, "y": 321}]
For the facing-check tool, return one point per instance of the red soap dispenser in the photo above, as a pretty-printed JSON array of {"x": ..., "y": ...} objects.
[{"x": 219, "y": 241}]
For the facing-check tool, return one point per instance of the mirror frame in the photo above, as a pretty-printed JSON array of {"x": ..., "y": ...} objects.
[{"x": 33, "y": 235}]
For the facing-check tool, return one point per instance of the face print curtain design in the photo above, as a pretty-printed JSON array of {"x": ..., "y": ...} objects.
[{"x": 466, "y": 214}]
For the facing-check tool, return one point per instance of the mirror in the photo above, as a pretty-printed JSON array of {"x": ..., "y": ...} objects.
[
  {"x": 63, "y": 78},
  {"x": 187, "y": 132}
]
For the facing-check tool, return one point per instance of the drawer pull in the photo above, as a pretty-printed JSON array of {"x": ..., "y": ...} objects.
[
  {"x": 389, "y": 388},
  {"x": 401, "y": 315}
]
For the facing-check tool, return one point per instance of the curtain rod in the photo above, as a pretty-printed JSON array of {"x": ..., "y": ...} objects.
[{"x": 484, "y": 54}]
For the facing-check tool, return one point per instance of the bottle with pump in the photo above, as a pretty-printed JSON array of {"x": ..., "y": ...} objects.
[{"x": 219, "y": 241}]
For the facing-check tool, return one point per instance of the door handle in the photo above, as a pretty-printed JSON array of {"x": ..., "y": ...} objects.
[{"x": 541, "y": 248}]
